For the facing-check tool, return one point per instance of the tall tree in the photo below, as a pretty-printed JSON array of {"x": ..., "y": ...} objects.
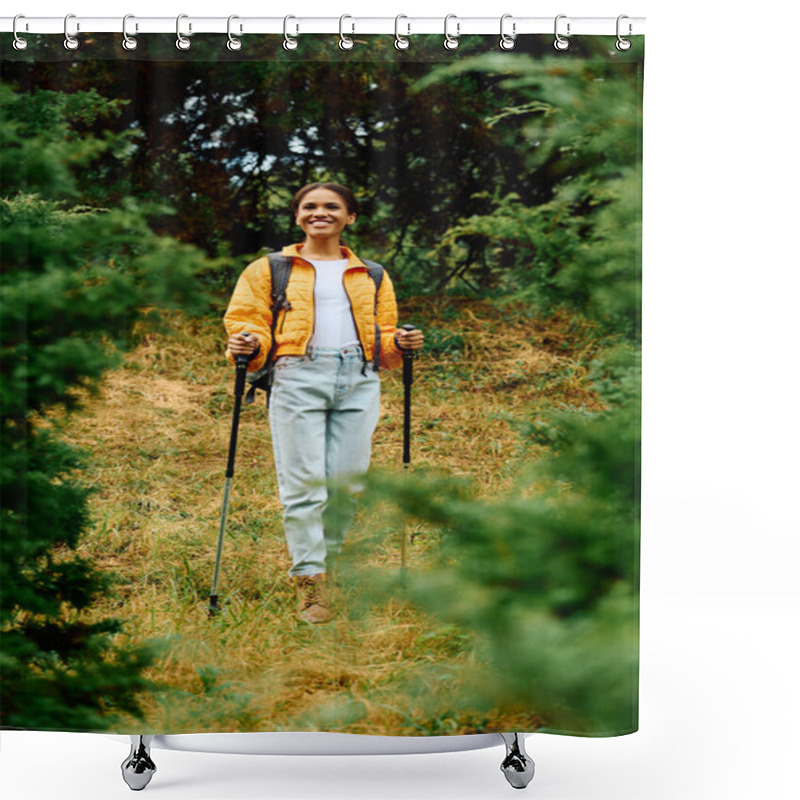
[{"x": 79, "y": 272}]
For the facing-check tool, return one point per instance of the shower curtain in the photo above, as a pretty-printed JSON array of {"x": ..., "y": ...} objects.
[{"x": 488, "y": 581}]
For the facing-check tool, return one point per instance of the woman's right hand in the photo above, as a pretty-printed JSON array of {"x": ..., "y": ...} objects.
[{"x": 242, "y": 344}]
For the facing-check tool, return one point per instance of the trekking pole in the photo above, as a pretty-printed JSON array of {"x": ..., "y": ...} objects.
[
  {"x": 408, "y": 379},
  {"x": 238, "y": 392}
]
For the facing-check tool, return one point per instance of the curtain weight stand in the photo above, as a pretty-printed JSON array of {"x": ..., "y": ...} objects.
[{"x": 517, "y": 766}]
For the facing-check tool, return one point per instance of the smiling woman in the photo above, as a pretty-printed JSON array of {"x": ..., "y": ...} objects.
[{"x": 335, "y": 326}]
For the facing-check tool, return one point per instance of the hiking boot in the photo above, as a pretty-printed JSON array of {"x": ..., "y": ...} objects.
[{"x": 313, "y": 603}]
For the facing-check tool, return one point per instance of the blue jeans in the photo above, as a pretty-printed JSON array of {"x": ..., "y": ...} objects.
[{"x": 323, "y": 412}]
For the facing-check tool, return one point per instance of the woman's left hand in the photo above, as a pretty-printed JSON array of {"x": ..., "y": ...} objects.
[{"x": 409, "y": 340}]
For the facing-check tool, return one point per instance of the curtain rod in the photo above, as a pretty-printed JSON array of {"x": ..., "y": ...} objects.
[{"x": 187, "y": 25}]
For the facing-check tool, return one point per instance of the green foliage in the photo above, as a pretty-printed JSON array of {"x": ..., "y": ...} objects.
[
  {"x": 80, "y": 272},
  {"x": 580, "y": 131},
  {"x": 230, "y": 145},
  {"x": 547, "y": 576},
  {"x": 534, "y": 143}
]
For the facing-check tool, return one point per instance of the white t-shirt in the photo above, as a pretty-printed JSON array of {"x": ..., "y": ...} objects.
[{"x": 333, "y": 318}]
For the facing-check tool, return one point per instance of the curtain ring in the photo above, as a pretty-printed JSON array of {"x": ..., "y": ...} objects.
[
  {"x": 182, "y": 43},
  {"x": 561, "y": 43},
  {"x": 19, "y": 42},
  {"x": 623, "y": 44},
  {"x": 401, "y": 42},
  {"x": 507, "y": 42},
  {"x": 233, "y": 43},
  {"x": 128, "y": 42},
  {"x": 345, "y": 42},
  {"x": 288, "y": 42},
  {"x": 70, "y": 42},
  {"x": 451, "y": 42}
]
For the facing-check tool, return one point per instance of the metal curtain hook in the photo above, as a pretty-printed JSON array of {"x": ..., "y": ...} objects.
[
  {"x": 128, "y": 42},
  {"x": 233, "y": 43},
  {"x": 451, "y": 42},
  {"x": 561, "y": 43},
  {"x": 288, "y": 42},
  {"x": 182, "y": 43},
  {"x": 401, "y": 42},
  {"x": 623, "y": 44},
  {"x": 19, "y": 42},
  {"x": 70, "y": 42},
  {"x": 345, "y": 42},
  {"x": 507, "y": 42}
]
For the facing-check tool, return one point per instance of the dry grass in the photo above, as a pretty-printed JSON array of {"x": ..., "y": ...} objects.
[{"x": 158, "y": 434}]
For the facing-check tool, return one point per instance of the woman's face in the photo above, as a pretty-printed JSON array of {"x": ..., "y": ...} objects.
[{"x": 323, "y": 214}]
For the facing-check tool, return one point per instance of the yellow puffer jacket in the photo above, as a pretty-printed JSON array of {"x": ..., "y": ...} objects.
[{"x": 249, "y": 309}]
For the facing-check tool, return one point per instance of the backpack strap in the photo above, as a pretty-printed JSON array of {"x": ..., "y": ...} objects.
[
  {"x": 280, "y": 268},
  {"x": 376, "y": 273}
]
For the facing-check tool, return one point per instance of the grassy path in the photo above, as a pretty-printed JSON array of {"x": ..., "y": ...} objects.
[{"x": 158, "y": 433}]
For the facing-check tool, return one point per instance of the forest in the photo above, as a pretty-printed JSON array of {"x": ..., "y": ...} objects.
[{"x": 502, "y": 193}]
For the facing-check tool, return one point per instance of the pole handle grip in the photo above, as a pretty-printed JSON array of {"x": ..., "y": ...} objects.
[
  {"x": 408, "y": 360},
  {"x": 408, "y": 353},
  {"x": 408, "y": 327},
  {"x": 241, "y": 375}
]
